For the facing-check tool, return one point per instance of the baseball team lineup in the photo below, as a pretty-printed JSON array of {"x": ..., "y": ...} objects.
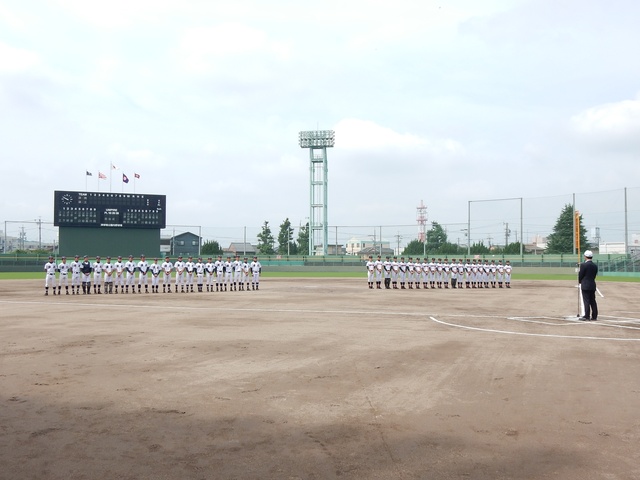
[
  {"x": 119, "y": 277},
  {"x": 437, "y": 273}
]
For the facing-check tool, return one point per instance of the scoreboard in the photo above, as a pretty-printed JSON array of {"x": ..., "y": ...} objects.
[{"x": 98, "y": 209}]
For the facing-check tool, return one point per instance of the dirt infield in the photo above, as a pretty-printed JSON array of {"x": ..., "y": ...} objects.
[{"x": 320, "y": 379}]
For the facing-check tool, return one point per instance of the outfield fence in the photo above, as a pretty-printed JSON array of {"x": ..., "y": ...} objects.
[{"x": 607, "y": 263}]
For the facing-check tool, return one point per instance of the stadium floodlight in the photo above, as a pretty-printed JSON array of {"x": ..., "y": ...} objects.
[
  {"x": 317, "y": 138},
  {"x": 317, "y": 141}
]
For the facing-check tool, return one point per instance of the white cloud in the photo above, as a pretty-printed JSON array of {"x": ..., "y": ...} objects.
[
  {"x": 202, "y": 48},
  {"x": 14, "y": 60},
  {"x": 118, "y": 13},
  {"x": 616, "y": 124},
  {"x": 619, "y": 119},
  {"x": 355, "y": 134}
]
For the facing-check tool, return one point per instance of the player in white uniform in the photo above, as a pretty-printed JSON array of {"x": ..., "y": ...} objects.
[
  {"x": 395, "y": 269},
  {"x": 371, "y": 271},
  {"x": 50, "y": 278},
  {"x": 386, "y": 265},
  {"x": 228, "y": 273},
  {"x": 417, "y": 272},
  {"x": 500, "y": 273},
  {"x": 425, "y": 272},
  {"x": 118, "y": 267},
  {"x": 446, "y": 273},
  {"x": 143, "y": 269},
  {"x": 167, "y": 266},
  {"x": 189, "y": 268},
  {"x": 199, "y": 268},
  {"x": 179, "y": 266},
  {"x": 411, "y": 269},
  {"x": 210, "y": 270},
  {"x": 507, "y": 274},
  {"x": 75, "y": 276},
  {"x": 155, "y": 270},
  {"x": 454, "y": 273},
  {"x": 492, "y": 273},
  {"x": 403, "y": 272},
  {"x": 379, "y": 268},
  {"x": 108, "y": 276},
  {"x": 97, "y": 275},
  {"x": 432, "y": 272},
  {"x": 219, "y": 264},
  {"x": 246, "y": 273},
  {"x": 256, "y": 270},
  {"x": 130, "y": 267},
  {"x": 63, "y": 268},
  {"x": 237, "y": 273}
]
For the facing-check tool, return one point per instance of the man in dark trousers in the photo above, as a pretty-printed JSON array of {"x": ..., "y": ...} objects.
[{"x": 587, "y": 280}]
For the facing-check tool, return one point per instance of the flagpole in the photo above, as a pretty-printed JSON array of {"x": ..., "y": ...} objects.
[
  {"x": 85, "y": 180},
  {"x": 110, "y": 174}
]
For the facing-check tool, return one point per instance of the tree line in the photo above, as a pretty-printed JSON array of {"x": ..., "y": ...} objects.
[{"x": 436, "y": 241}]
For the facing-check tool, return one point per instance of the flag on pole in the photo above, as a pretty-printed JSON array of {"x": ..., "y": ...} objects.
[
  {"x": 136, "y": 175},
  {"x": 125, "y": 179},
  {"x": 89, "y": 174},
  {"x": 102, "y": 176},
  {"x": 114, "y": 167}
]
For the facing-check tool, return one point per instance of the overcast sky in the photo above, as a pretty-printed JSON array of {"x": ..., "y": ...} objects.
[{"x": 441, "y": 101}]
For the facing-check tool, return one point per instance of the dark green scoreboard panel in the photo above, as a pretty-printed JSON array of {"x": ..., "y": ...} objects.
[
  {"x": 109, "y": 241},
  {"x": 101, "y": 223},
  {"x": 114, "y": 210}
]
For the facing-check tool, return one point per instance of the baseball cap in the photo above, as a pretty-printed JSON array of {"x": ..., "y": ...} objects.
[{"x": 588, "y": 254}]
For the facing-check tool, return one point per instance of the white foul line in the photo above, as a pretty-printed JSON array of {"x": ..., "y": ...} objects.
[{"x": 507, "y": 332}]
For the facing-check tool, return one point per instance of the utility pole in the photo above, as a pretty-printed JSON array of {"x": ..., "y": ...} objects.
[
  {"x": 398, "y": 238},
  {"x": 507, "y": 232}
]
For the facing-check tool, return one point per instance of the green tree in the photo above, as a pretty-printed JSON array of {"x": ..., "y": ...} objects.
[
  {"x": 512, "y": 248},
  {"x": 211, "y": 247},
  {"x": 561, "y": 240},
  {"x": 479, "y": 248},
  {"x": 414, "y": 247},
  {"x": 266, "y": 241},
  {"x": 303, "y": 239},
  {"x": 436, "y": 237},
  {"x": 286, "y": 245}
]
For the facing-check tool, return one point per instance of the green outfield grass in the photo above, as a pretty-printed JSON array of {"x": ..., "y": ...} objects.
[{"x": 302, "y": 274}]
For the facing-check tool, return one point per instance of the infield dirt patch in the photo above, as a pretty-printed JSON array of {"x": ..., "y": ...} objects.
[{"x": 320, "y": 379}]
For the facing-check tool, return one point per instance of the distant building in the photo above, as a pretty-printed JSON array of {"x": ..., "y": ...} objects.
[
  {"x": 375, "y": 251},
  {"x": 331, "y": 249},
  {"x": 355, "y": 245},
  {"x": 612, "y": 247},
  {"x": 186, "y": 244},
  {"x": 241, "y": 248}
]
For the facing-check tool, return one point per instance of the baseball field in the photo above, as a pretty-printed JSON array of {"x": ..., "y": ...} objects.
[{"x": 320, "y": 378}]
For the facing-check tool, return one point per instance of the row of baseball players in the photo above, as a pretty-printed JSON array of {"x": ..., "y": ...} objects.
[
  {"x": 223, "y": 275},
  {"x": 438, "y": 273}
]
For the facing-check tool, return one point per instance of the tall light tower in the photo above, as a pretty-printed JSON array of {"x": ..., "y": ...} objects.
[
  {"x": 422, "y": 221},
  {"x": 317, "y": 142}
]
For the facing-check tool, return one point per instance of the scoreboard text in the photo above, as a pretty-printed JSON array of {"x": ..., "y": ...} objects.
[{"x": 97, "y": 209}]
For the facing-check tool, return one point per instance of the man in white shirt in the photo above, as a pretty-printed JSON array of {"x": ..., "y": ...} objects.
[
  {"x": 108, "y": 276},
  {"x": 143, "y": 269},
  {"x": 167, "y": 266},
  {"x": 63, "y": 279},
  {"x": 97, "y": 275},
  {"x": 179, "y": 266},
  {"x": 256, "y": 270},
  {"x": 130, "y": 267},
  {"x": 118, "y": 267},
  {"x": 155, "y": 270},
  {"x": 50, "y": 278},
  {"x": 75, "y": 275}
]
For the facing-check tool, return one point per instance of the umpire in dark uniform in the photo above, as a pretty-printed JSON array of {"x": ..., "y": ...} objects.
[{"x": 587, "y": 280}]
